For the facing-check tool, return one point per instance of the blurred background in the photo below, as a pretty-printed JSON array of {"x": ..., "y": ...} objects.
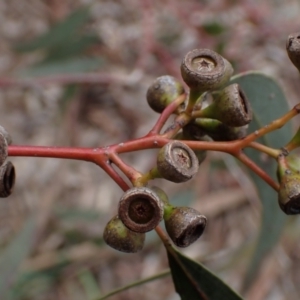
[{"x": 75, "y": 73}]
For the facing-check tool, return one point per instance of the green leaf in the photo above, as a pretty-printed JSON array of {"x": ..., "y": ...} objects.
[
  {"x": 59, "y": 34},
  {"x": 14, "y": 254},
  {"x": 213, "y": 28},
  {"x": 268, "y": 103},
  {"x": 70, "y": 66},
  {"x": 194, "y": 282},
  {"x": 73, "y": 48}
]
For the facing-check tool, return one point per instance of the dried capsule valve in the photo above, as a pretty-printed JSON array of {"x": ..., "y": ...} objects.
[
  {"x": 7, "y": 179},
  {"x": 205, "y": 70},
  {"x": 177, "y": 162},
  {"x": 141, "y": 209},
  {"x": 184, "y": 225}
]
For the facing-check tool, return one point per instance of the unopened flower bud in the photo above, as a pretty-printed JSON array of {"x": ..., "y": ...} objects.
[
  {"x": 230, "y": 106},
  {"x": 119, "y": 237},
  {"x": 218, "y": 131},
  {"x": 163, "y": 91},
  {"x": 288, "y": 174}
]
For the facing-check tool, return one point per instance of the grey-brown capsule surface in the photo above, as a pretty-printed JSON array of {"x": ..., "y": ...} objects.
[
  {"x": 3, "y": 149},
  {"x": 119, "y": 237},
  {"x": 177, "y": 162},
  {"x": 293, "y": 48},
  {"x": 141, "y": 209},
  {"x": 205, "y": 70},
  {"x": 289, "y": 193},
  {"x": 230, "y": 106},
  {"x": 6, "y": 135},
  {"x": 184, "y": 225},
  {"x": 7, "y": 179}
]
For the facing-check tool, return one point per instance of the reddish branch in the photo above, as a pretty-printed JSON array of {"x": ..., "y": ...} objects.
[{"x": 104, "y": 156}]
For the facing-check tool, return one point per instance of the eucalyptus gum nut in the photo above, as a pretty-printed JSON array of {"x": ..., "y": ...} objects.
[
  {"x": 177, "y": 162},
  {"x": 119, "y": 237},
  {"x": 161, "y": 194},
  {"x": 7, "y": 179},
  {"x": 293, "y": 48},
  {"x": 3, "y": 149},
  {"x": 6, "y": 135},
  {"x": 200, "y": 154},
  {"x": 141, "y": 209},
  {"x": 163, "y": 91},
  {"x": 205, "y": 70},
  {"x": 289, "y": 193},
  {"x": 230, "y": 106},
  {"x": 184, "y": 225}
]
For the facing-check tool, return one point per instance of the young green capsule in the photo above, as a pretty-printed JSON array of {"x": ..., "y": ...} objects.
[
  {"x": 288, "y": 173},
  {"x": 218, "y": 131},
  {"x": 163, "y": 91},
  {"x": 119, "y": 237},
  {"x": 230, "y": 106}
]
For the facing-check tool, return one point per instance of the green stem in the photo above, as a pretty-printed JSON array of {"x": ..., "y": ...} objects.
[
  {"x": 265, "y": 149},
  {"x": 146, "y": 177},
  {"x": 193, "y": 97},
  {"x": 136, "y": 283},
  {"x": 295, "y": 141},
  {"x": 276, "y": 124},
  {"x": 255, "y": 168}
]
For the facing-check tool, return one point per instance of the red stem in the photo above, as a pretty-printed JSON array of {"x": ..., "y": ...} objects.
[
  {"x": 255, "y": 168},
  {"x": 166, "y": 114}
]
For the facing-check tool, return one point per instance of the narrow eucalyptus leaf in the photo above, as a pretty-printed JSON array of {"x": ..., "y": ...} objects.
[
  {"x": 268, "y": 103},
  {"x": 195, "y": 282}
]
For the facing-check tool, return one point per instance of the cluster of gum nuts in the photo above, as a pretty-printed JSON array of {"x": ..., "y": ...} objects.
[{"x": 220, "y": 112}]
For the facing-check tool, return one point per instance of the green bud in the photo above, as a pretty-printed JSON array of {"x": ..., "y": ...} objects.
[
  {"x": 230, "y": 106},
  {"x": 119, "y": 237},
  {"x": 217, "y": 130},
  {"x": 163, "y": 91},
  {"x": 288, "y": 174}
]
